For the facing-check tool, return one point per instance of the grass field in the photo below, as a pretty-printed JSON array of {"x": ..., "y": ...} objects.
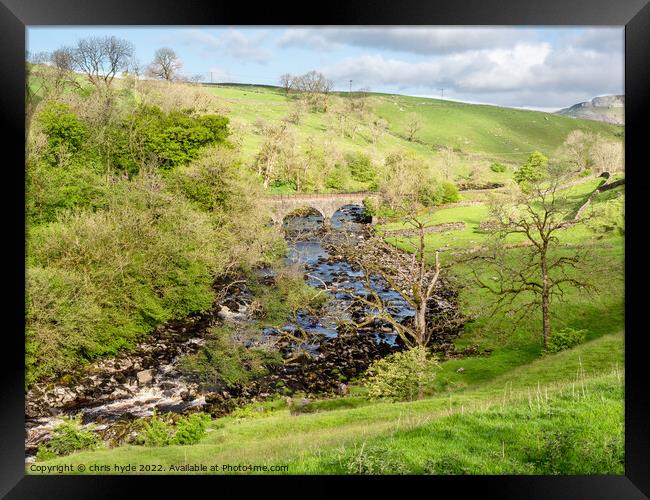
[
  {"x": 479, "y": 133},
  {"x": 472, "y": 215},
  {"x": 563, "y": 412}
]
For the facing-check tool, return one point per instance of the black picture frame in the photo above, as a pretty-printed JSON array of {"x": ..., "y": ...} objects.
[{"x": 15, "y": 15}]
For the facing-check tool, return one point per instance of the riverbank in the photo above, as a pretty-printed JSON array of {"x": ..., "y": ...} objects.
[
  {"x": 320, "y": 353},
  {"x": 515, "y": 418}
]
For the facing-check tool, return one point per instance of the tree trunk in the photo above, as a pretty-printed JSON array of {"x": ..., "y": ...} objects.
[
  {"x": 546, "y": 319},
  {"x": 420, "y": 323}
]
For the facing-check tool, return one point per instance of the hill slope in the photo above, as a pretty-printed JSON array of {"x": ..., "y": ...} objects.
[{"x": 477, "y": 132}]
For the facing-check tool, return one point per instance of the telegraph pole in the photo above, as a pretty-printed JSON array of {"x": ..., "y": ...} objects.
[
  {"x": 350, "y": 87},
  {"x": 442, "y": 93}
]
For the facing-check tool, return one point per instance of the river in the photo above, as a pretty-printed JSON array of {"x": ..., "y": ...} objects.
[{"x": 134, "y": 384}]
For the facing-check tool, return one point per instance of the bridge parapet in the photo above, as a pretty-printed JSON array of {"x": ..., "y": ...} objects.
[{"x": 327, "y": 204}]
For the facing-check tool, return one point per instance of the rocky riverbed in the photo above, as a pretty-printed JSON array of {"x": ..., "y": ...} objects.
[{"x": 113, "y": 391}]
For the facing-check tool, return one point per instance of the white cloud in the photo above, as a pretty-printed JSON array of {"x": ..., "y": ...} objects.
[
  {"x": 538, "y": 73},
  {"x": 234, "y": 43},
  {"x": 416, "y": 40}
]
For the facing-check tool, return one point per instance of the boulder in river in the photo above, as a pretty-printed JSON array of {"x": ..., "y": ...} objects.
[{"x": 145, "y": 377}]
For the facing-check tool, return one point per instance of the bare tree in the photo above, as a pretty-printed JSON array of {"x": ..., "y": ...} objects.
[
  {"x": 607, "y": 155},
  {"x": 286, "y": 82},
  {"x": 411, "y": 275},
  {"x": 316, "y": 86},
  {"x": 165, "y": 64},
  {"x": 448, "y": 161},
  {"x": 276, "y": 152},
  {"x": 377, "y": 128},
  {"x": 542, "y": 270},
  {"x": 47, "y": 75},
  {"x": 577, "y": 149},
  {"x": 134, "y": 71},
  {"x": 413, "y": 125},
  {"x": 101, "y": 58}
]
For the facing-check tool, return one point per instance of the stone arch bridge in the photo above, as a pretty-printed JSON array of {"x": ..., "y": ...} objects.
[{"x": 327, "y": 204}]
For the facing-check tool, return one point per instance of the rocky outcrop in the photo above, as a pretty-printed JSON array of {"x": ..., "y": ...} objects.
[{"x": 608, "y": 109}]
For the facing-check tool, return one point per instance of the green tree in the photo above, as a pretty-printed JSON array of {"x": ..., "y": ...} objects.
[
  {"x": 534, "y": 170},
  {"x": 65, "y": 133},
  {"x": 361, "y": 167}
]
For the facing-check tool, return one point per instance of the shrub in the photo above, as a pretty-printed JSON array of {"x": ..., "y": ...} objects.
[
  {"x": 428, "y": 194},
  {"x": 222, "y": 361},
  {"x": 565, "y": 338},
  {"x": 284, "y": 186},
  {"x": 68, "y": 437},
  {"x": 498, "y": 167},
  {"x": 401, "y": 376},
  {"x": 448, "y": 192},
  {"x": 156, "y": 432},
  {"x": 336, "y": 179},
  {"x": 53, "y": 190},
  {"x": 361, "y": 167},
  {"x": 99, "y": 281},
  {"x": 63, "y": 129},
  {"x": 190, "y": 430},
  {"x": 172, "y": 139},
  {"x": 369, "y": 207},
  {"x": 586, "y": 172},
  {"x": 162, "y": 431}
]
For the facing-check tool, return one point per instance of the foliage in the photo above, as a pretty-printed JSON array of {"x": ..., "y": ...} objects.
[
  {"x": 286, "y": 296},
  {"x": 370, "y": 207},
  {"x": 191, "y": 429},
  {"x": 223, "y": 361},
  {"x": 98, "y": 281},
  {"x": 68, "y": 437},
  {"x": 610, "y": 218},
  {"x": 432, "y": 193},
  {"x": 171, "y": 139},
  {"x": 565, "y": 339},
  {"x": 217, "y": 184},
  {"x": 156, "y": 432},
  {"x": 361, "y": 167},
  {"x": 56, "y": 189},
  {"x": 168, "y": 429},
  {"x": 533, "y": 170},
  {"x": 498, "y": 167},
  {"x": 408, "y": 180},
  {"x": 401, "y": 376},
  {"x": 448, "y": 192},
  {"x": 336, "y": 179},
  {"x": 65, "y": 133}
]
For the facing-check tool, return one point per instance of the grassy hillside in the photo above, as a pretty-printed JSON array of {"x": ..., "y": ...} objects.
[
  {"x": 562, "y": 413},
  {"x": 479, "y": 132}
]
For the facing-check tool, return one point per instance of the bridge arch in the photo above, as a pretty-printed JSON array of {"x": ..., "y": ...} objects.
[{"x": 327, "y": 204}]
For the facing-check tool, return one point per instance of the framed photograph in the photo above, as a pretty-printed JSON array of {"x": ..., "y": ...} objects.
[{"x": 382, "y": 241}]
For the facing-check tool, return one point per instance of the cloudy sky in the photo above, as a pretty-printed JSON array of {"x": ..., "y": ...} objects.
[{"x": 532, "y": 67}]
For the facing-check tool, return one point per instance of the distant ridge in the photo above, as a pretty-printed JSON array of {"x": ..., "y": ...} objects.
[{"x": 608, "y": 108}]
